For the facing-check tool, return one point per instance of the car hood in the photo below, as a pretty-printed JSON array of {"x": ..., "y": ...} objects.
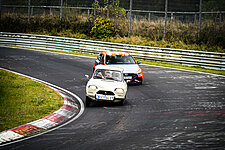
[
  {"x": 128, "y": 68},
  {"x": 107, "y": 85}
]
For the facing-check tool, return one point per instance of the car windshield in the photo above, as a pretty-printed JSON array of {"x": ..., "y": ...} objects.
[
  {"x": 120, "y": 59},
  {"x": 107, "y": 75}
]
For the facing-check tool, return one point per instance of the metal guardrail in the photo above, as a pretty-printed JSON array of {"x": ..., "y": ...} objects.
[{"x": 178, "y": 56}]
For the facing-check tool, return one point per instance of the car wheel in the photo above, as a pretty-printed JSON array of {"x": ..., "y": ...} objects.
[
  {"x": 88, "y": 101},
  {"x": 121, "y": 103},
  {"x": 141, "y": 80}
]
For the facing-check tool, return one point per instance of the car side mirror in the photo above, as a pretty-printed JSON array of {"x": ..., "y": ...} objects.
[
  {"x": 138, "y": 62},
  {"x": 87, "y": 76}
]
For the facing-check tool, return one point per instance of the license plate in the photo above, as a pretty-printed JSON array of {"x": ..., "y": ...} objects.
[
  {"x": 105, "y": 97},
  {"x": 128, "y": 77}
]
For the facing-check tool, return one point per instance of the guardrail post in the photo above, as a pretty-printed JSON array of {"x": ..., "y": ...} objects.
[
  {"x": 28, "y": 11},
  {"x": 200, "y": 18},
  {"x": 171, "y": 17},
  {"x": 88, "y": 12},
  {"x": 61, "y": 10},
  {"x": 130, "y": 18},
  {"x": 95, "y": 11},
  {"x": 32, "y": 11},
  {"x": 0, "y": 9},
  {"x": 107, "y": 10},
  {"x": 50, "y": 11},
  {"x": 166, "y": 8},
  {"x": 195, "y": 21},
  {"x": 149, "y": 17}
]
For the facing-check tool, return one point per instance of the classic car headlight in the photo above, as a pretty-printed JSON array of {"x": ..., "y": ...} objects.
[
  {"x": 119, "y": 91},
  {"x": 92, "y": 87}
]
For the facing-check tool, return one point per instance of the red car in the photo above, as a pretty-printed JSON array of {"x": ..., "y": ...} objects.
[{"x": 133, "y": 74}]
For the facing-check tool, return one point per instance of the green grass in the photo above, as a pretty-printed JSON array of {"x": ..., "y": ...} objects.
[{"x": 23, "y": 100}]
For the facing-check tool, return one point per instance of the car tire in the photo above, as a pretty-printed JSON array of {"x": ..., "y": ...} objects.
[
  {"x": 141, "y": 81},
  {"x": 88, "y": 101},
  {"x": 121, "y": 103}
]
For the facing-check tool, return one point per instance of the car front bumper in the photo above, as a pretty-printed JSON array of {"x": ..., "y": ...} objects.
[
  {"x": 133, "y": 78},
  {"x": 116, "y": 99}
]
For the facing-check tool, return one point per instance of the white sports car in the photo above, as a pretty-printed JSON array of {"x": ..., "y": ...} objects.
[{"x": 106, "y": 84}]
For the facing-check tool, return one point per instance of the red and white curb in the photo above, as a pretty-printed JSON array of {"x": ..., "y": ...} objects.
[{"x": 72, "y": 108}]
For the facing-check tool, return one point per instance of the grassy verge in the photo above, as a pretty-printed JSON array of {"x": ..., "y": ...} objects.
[
  {"x": 23, "y": 100},
  {"x": 163, "y": 64}
]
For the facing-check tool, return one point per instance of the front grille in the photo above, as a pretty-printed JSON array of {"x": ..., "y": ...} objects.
[
  {"x": 134, "y": 76},
  {"x": 105, "y": 92}
]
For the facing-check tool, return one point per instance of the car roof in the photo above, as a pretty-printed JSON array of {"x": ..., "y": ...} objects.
[
  {"x": 108, "y": 67},
  {"x": 115, "y": 53}
]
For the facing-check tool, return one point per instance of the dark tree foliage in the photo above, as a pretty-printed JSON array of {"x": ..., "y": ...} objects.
[{"x": 213, "y": 5}]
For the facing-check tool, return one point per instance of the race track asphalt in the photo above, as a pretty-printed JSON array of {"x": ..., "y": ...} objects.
[{"x": 173, "y": 109}]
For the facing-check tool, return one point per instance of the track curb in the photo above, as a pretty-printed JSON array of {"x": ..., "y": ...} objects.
[{"x": 72, "y": 108}]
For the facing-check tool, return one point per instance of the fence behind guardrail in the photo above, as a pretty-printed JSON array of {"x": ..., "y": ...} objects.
[{"x": 181, "y": 10}]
